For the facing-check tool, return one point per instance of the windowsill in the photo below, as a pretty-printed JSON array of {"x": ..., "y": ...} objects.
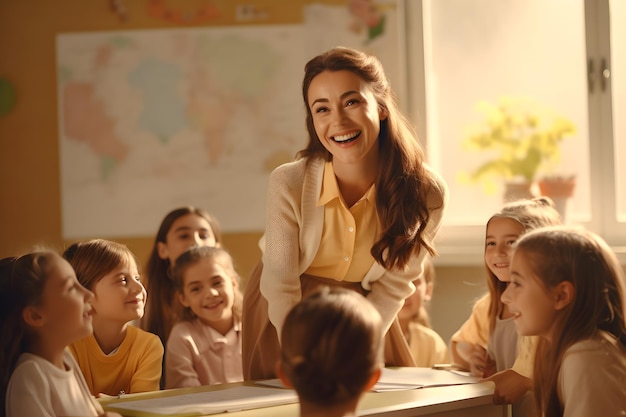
[{"x": 473, "y": 256}]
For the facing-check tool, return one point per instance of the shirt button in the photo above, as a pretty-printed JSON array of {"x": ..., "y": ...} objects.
[
  {"x": 351, "y": 229},
  {"x": 346, "y": 258}
]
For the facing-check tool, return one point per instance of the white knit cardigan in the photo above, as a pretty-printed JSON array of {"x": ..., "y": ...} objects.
[{"x": 293, "y": 232}]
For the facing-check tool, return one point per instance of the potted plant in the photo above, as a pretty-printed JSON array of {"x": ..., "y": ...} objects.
[{"x": 522, "y": 139}]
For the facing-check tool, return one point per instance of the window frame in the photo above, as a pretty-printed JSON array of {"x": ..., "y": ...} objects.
[{"x": 463, "y": 245}]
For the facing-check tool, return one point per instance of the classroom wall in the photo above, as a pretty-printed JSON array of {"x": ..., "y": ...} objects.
[
  {"x": 30, "y": 202},
  {"x": 30, "y": 208}
]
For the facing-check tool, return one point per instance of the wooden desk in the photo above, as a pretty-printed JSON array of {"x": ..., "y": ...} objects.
[
  {"x": 474, "y": 400},
  {"x": 454, "y": 401}
]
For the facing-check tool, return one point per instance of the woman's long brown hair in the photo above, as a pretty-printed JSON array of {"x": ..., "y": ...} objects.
[{"x": 406, "y": 191}]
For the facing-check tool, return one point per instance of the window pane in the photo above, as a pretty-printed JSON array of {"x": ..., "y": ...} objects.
[
  {"x": 488, "y": 50},
  {"x": 618, "y": 67}
]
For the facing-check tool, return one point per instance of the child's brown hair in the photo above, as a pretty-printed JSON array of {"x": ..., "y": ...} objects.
[
  {"x": 557, "y": 254},
  {"x": 331, "y": 345},
  {"x": 22, "y": 282},
  {"x": 93, "y": 259}
]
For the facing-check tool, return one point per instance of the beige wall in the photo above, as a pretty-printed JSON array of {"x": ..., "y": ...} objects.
[
  {"x": 30, "y": 204},
  {"x": 456, "y": 289}
]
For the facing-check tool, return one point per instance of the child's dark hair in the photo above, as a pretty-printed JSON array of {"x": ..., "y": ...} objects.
[
  {"x": 159, "y": 282},
  {"x": 331, "y": 345},
  {"x": 22, "y": 282},
  {"x": 530, "y": 213},
  {"x": 93, "y": 259},
  {"x": 557, "y": 254},
  {"x": 218, "y": 255}
]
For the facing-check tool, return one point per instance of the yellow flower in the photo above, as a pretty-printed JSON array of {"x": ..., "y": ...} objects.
[{"x": 522, "y": 136}]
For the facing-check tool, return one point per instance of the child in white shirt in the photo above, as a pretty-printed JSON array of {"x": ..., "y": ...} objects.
[{"x": 44, "y": 309}]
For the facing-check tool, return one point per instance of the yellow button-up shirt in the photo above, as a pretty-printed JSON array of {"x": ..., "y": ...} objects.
[{"x": 348, "y": 233}]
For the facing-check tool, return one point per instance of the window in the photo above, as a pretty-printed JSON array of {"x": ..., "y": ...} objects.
[
  {"x": 618, "y": 83},
  {"x": 558, "y": 55}
]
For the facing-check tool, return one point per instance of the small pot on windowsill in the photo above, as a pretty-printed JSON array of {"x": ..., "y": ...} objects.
[
  {"x": 560, "y": 189},
  {"x": 516, "y": 189}
]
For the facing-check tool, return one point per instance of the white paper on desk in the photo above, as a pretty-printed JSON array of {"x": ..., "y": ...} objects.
[
  {"x": 412, "y": 378},
  {"x": 398, "y": 379},
  {"x": 379, "y": 387},
  {"x": 211, "y": 402},
  {"x": 275, "y": 383}
]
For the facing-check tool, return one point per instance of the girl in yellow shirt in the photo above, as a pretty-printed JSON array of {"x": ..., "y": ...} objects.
[{"x": 118, "y": 357}]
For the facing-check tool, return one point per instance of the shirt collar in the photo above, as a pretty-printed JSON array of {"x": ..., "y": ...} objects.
[
  {"x": 216, "y": 340},
  {"x": 330, "y": 188}
]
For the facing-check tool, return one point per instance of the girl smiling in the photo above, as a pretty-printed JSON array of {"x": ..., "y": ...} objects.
[
  {"x": 205, "y": 347},
  {"x": 567, "y": 287},
  {"x": 118, "y": 357},
  {"x": 43, "y": 309}
]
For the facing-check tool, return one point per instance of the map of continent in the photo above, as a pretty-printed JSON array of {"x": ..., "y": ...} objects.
[
  {"x": 198, "y": 113},
  {"x": 151, "y": 120}
]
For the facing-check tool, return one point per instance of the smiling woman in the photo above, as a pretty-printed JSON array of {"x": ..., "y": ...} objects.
[
  {"x": 347, "y": 122},
  {"x": 338, "y": 214},
  {"x": 117, "y": 357}
]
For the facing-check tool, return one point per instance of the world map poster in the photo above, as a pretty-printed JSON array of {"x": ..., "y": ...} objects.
[{"x": 151, "y": 120}]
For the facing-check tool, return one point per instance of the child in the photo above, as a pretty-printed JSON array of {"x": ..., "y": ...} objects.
[
  {"x": 427, "y": 347},
  {"x": 205, "y": 347},
  {"x": 118, "y": 357},
  {"x": 487, "y": 342},
  {"x": 332, "y": 351},
  {"x": 180, "y": 229},
  {"x": 567, "y": 287},
  {"x": 44, "y": 309}
]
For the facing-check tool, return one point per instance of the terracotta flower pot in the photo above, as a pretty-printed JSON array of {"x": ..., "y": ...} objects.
[
  {"x": 560, "y": 190},
  {"x": 557, "y": 187}
]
